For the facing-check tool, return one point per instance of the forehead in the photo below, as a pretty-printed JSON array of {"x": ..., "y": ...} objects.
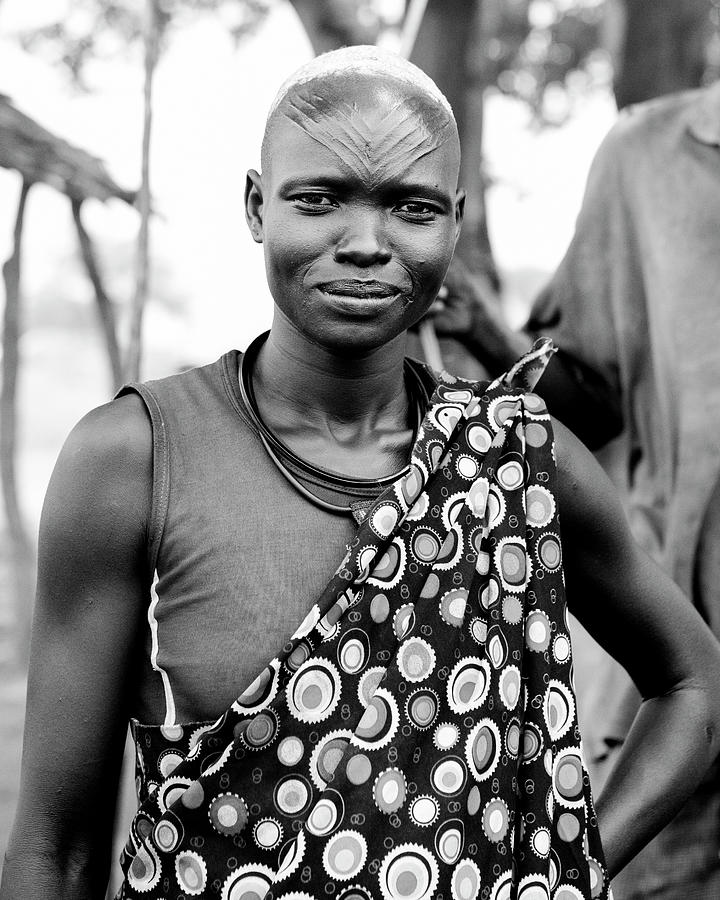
[
  {"x": 372, "y": 127},
  {"x": 331, "y": 92}
]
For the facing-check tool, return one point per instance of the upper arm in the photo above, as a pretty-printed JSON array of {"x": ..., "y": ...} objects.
[
  {"x": 623, "y": 598},
  {"x": 91, "y": 595}
]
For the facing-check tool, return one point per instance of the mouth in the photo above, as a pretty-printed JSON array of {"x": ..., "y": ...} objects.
[{"x": 362, "y": 290}]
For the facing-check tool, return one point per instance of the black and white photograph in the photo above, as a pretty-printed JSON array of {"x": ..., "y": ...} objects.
[{"x": 360, "y": 449}]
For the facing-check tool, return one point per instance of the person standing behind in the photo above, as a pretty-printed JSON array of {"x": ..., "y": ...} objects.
[{"x": 635, "y": 310}]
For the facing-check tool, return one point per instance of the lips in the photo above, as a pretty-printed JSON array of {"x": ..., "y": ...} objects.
[{"x": 351, "y": 287}]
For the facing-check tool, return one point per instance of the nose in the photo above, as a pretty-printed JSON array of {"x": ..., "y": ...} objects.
[{"x": 363, "y": 242}]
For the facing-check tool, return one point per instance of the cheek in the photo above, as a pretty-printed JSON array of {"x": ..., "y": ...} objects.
[
  {"x": 428, "y": 256},
  {"x": 287, "y": 251},
  {"x": 292, "y": 244}
]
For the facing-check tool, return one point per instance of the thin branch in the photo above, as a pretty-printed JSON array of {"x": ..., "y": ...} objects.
[
  {"x": 22, "y": 549},
  {"x": 104, "y": 304},
  {"x": 10, "y": 364},
  {"x": 411, "y": 26},
  {"x": 142, "y": 277}
]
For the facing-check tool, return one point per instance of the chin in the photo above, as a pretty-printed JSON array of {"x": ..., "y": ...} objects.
[
  {"x": 355, "y": 338},
  {"x": 340, "y": 330}
]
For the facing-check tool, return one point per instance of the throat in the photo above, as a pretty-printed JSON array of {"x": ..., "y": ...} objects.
[
  {"x": 353, "y": 450},
  {"x": 358, "y": 424}
]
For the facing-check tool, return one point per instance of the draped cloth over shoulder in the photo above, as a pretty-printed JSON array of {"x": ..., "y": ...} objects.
[{"x": 417, "y": 736}]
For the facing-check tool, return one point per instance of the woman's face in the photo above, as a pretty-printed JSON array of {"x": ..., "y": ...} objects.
[{"x": 357, "y": 209}]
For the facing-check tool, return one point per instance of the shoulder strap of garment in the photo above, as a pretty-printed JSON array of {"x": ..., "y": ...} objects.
[{"x": 161, "y": 469}]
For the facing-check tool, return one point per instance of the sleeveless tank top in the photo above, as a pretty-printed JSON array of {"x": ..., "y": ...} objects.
[{"x": 238, "y": 554}]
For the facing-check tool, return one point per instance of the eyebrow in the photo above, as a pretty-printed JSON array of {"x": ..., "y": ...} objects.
[
  {"x": 343, "y": 185},
  {"x": 313, "y": 179},
  {"x": 425, "y": 190}
]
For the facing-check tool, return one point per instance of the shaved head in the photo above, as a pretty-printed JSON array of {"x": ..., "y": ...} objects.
[
  {"x": 357, "y": 205},
  {"x": 324, "y": 96},
  {"x": 362, "y": 60}
]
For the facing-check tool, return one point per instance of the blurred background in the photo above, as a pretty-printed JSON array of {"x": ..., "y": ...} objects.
[{"x": 126, "y": 129}]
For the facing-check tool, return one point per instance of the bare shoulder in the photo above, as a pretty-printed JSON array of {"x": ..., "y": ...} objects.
[
  {"x": 120, "y": 428},
  {"x": 102, "y": 483},
  {"x": 92, "y": 549}
]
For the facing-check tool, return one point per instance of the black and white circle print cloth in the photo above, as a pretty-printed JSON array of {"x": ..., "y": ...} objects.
[{"x": 417, "y": 737}]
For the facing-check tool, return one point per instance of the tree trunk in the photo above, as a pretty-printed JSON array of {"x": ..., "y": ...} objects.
[
  {"x": 21, "y": 547},
  {"x": 663, "y": 48},
  {"x": 134, "y": 358},
  {"x": 104, "y": 305},
  {"x": 331, "y": 24},
  {"x": 446, "y": 43}
]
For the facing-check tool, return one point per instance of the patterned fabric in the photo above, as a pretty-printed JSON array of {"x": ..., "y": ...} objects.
[{"x": 417, "y": 737}]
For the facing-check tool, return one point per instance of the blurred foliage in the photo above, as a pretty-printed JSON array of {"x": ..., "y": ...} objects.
[
  {"x": 550, "y": 56},
  {"x": 547, "y": 53},
  {"x": 101, "y": 29},
  {"x": 551, "y": 53}
]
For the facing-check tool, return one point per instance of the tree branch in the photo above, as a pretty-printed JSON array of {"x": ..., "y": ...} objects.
[
  {"x": 152, "y": 37},
  {"x": 104, "y": 304},
  {"x": 22, "y": 549}
]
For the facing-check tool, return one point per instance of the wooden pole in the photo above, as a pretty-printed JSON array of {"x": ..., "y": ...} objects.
[
  {"x": 104, "y": 305},
  {"x": 142, "y": 271},
  {"x": 445, "y": 47},
  {"x": 23, "y": 555},
  {"x": 411, "y": 26}
]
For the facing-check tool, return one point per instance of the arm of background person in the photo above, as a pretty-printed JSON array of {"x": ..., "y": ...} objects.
[
  {"x": 90, "y": 607},
  {"x": 592, "y": 307},
  {"x": 575, "y": 392},
  {"x": 633, "y": 609}
]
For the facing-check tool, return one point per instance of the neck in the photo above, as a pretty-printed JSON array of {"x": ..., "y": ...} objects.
[
  {"x": 294, "y": 373},
  {"x": 347, "y": 413}
]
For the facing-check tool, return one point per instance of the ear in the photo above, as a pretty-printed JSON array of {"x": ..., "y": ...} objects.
[
  {"x": 459, "y": 212},
  {"x": 254, "y": 205}
]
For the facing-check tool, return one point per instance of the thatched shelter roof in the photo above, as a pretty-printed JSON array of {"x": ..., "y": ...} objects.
[{"x": 40, "y": 156}]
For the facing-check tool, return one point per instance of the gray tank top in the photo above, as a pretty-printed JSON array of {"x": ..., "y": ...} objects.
[{"x": 239, "y": 555}]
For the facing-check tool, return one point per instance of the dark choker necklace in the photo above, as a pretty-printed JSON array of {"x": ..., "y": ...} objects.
[{"x": 282, "y": 455}]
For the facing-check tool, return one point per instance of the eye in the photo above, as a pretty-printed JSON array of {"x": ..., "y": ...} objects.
[
  {"x": 314, "y": 201},
  {"x": 417, "y": 210}
]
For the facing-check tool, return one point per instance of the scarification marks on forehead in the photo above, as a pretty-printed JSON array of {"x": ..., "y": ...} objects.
[{"x": 375, "y": 146}]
